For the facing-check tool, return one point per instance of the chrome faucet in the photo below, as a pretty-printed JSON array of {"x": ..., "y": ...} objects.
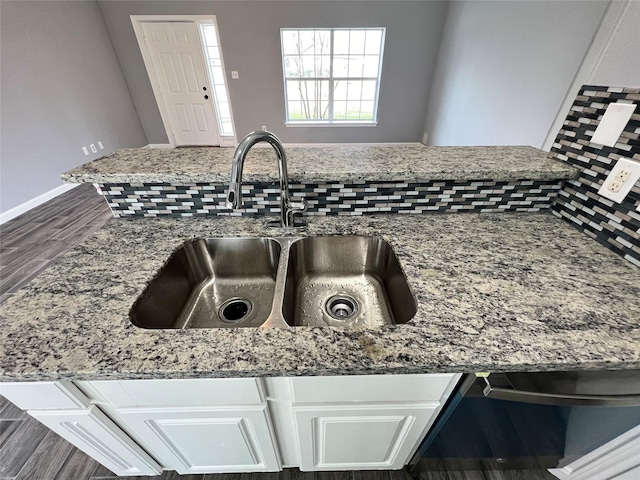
[{"x": 288, "y": 208}]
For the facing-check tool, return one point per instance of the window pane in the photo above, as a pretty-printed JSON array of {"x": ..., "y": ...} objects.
[
  {"x": 353, "y": 110},
  {"x": 374, "y": 37},
  {"x": 221, "y": 93},
  {"x": 340, "y": 110},
  {"x": 370, "y": 66},
  {"x": 223, "y": 107},
  {"x": 308, "y": 66},
  {"x": 340, "y": 66},
  {"x": 216, "y": 73},
  {"x": 341, "y": 42},
  {"x": 369, "y": 90},
  {"x": 293, "y": 92},
  {"x": 354, "y": 91},
  {"x": 366, "y": 111},
  {"x": 213, "y": 54},
  {"x": 210, "y": 38},
  {"x": 322, "y": 42},
  {"x": 355, "y": 66},
  {"x": 323, "y": 66},
  {"x": 289, "y": 42},
  {"x": 292, "y": 66},
  {"x": 340, "y": 90},
  {"x": 227, "y": 127},
  {"x": 356, "y": 42},
  {"x": 295, "y": 110},
  {"x": 305, "y": 43}
]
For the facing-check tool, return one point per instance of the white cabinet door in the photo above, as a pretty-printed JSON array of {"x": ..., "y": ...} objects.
[
  {"x": 92, "y": 432},
  {"x": 205, "y": 439},
  {"x": 359, "y": 437}
]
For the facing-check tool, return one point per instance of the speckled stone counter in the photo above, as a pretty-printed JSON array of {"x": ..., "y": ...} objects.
[
  {"x": 494, "y": 292},
  {"x": 324, "y": 164}
]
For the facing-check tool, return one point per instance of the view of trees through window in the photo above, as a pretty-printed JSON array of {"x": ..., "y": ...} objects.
[{"x": 332, "y": 75}]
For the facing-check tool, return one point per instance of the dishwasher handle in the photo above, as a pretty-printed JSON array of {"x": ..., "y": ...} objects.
[{"x": 506, "y": 391}]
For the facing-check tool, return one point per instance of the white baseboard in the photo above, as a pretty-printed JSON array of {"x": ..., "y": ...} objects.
[
  {"x": 618, "y": 458},
  {"x": 34, "y": 202},
  {"x": 158, "y": 145}
]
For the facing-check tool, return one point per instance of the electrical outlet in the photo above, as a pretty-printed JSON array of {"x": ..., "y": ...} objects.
[
  {"x": 100, "y": 145},
  {"x": 234, "y": 74},
  {"x": 615, "y": 185},
  {"x": 264, "y": 128},
  {"x": 620, "y": 180},
  {"x": 85, "y": 151},
  {"x": 612, "y": 124},
  {"x": 93, "y": 148},
  {"x": 425, "y": 137}
]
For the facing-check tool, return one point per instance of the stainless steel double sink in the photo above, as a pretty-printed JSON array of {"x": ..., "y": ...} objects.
[{"x": 343, "y": 281}]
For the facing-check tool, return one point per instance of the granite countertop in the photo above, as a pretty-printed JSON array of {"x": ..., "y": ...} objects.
[
  {"x": 412, "y": 163},
  {"x": 495, "y": 292}
]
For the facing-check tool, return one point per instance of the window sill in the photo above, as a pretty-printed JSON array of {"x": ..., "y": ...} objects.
[{"x": 334, "y": 124}]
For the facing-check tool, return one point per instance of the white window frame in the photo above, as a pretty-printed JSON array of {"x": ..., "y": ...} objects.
[{"x": 330, "y": 122}]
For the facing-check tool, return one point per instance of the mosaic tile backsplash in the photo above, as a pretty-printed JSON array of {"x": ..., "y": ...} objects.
[
  {"x": 358, "y": 198},
  {"x": 617, "y": 226}
]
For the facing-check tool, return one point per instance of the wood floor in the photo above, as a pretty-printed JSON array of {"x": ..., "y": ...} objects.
[
  {"x": 29, "y": 450},
  {"x": 33, "y": 241}
]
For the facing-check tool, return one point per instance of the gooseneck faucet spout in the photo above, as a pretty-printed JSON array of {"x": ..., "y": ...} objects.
[{"x": 288, "y": 208}]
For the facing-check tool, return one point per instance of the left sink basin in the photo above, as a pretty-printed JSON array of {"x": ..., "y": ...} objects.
[{"x": 212, "y": 283}]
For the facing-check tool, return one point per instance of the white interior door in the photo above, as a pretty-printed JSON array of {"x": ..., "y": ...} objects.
[{"x": 180, "y": 75}]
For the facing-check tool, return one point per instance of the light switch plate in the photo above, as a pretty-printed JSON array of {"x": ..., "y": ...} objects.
[
  {"x": 621, "y": 180},
  {"x": 612, "y": 124},
  {"x": 85, "y": 151}
]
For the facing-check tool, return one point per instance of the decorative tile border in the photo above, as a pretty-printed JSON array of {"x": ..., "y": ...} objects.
[
  {"x": 358, "y": 198},
  {"x": 617, "y": 226}
]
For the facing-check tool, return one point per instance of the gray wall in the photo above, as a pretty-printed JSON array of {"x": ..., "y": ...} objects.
[
  {"x": 620, "y": 62},
  {"x": 504, "y": 69},
  {"x": 250, "y": 38},
  {"x": 62, "y": 88}
]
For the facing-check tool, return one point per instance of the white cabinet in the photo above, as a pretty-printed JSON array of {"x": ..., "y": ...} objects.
[
  {"x": 357, "y": 437},
  {"x": 206, "y": 440},
  {"x": 141, "y": 427},
  {"x": 65, "y": 410},
  {"x": 194, "y": 426},
  {"x": 369, "y": 422}
]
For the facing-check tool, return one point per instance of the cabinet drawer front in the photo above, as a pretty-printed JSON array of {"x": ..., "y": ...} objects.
[
  {"x": 44, "y": 395},
  {"x": 182, "y": 393},
  {"x": 371, "y": 388}
]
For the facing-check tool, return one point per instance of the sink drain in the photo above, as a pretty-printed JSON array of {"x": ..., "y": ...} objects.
[
  {"x": 234, "y": 310},
  {"x": 341, "y": 307}
]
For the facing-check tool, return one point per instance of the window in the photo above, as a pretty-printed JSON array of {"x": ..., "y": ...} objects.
[
  {"x": 332, "y": 75},
  {"x": 221, "y": 98}
]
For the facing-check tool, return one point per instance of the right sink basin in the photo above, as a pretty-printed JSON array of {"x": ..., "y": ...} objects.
[{"x": 347, "y": 281}]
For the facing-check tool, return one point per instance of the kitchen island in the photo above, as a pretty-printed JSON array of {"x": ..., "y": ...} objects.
[{"x": 500, "y": 289}]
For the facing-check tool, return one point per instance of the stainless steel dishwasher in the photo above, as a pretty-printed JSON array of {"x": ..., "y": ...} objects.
[{"x": 530, "y": 420}]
